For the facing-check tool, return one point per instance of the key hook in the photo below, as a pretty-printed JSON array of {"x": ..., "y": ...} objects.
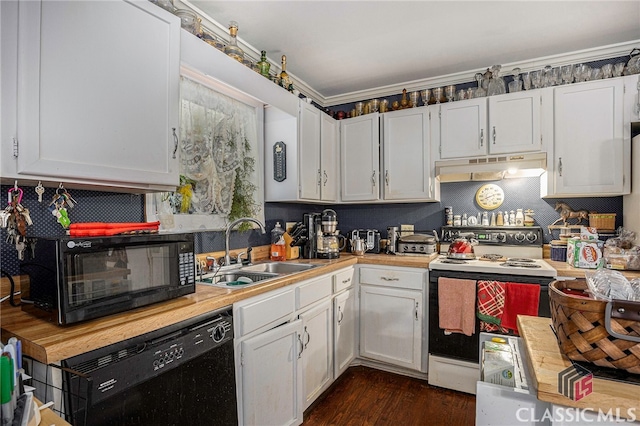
[{"x": 11, "y": 196}]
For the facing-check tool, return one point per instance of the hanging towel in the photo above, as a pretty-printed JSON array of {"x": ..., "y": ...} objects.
[
  {"x": 519, "y": 299},
  {"x": 456, "y": 303},
  {"x": 490, "y": 305}
]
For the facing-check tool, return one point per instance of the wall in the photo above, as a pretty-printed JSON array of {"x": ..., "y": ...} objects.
[{"x": 115, "y": 207}]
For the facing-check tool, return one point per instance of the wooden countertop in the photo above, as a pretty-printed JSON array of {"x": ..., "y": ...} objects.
[
  {"x": 50, "y": 343},
  {"x": 546, "y": 361},
  {"x": 566, "y": 270}
]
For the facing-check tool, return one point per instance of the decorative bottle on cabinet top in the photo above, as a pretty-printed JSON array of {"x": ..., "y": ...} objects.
[
  {"x": 232, "y": 48},
  {"x": 264, "y": 66},
  {"x": 284, "y": 79}
]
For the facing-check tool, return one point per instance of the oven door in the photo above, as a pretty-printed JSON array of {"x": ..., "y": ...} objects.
[{"x": 459, "y": 346}]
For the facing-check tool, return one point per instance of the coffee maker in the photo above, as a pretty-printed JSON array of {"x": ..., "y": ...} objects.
[{"x": 318, "y": 235}]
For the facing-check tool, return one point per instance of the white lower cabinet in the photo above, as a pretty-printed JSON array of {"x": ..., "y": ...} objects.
[
  {"x": 391, "y": 316},
  {"x": 268, "y": 345},
  {"x": 344, "y": 326},
  {"x": 317, "y": 353},
  {"x": 271, "y": 375}
]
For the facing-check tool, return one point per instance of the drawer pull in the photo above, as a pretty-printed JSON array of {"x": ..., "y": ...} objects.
[
  {"x": 346, "y": 281},
  {"x": 390, "y": 279}
]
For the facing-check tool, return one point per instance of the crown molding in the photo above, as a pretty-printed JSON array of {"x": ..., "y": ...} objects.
[{"x": 586, "y": 55}]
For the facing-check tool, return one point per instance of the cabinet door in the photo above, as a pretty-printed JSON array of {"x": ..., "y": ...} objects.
[
  {"x": 345, "y": 314},
  {"x": 360, "y": 158},
  {"x": 317, "y": 356},
  {"x": 463, "y": 128},
  {"x": 271, "y": 374},
  {"x": 514, "y": 122},
  {"x": 329, "y": 158},
  {"x": 406, "y": 154},
  {"x": 588, "y": 139},
  {"x": 102, "y": 108},
  {"x": 309, "y": 151},
  {"x": 391, "y": 325}
]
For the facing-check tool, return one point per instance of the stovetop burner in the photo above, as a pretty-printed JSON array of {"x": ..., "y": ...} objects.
[
  {"x": 454, "y": 261},
  {"x": 520, "y": 264},
  {"x": 520, "y": 260},
  {"x": 493, "y": 257}
]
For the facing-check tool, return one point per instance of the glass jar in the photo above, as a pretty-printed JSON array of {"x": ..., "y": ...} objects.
[
  {"x": 232, "y": 48},
  {"x": 188, "y": 20}
]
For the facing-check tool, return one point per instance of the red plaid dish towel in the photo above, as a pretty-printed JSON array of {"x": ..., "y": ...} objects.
[{"x": 491, "y": 295}]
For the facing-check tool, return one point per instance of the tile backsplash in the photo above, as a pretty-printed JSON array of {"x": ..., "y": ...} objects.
[{"x": 96, "y": 206}]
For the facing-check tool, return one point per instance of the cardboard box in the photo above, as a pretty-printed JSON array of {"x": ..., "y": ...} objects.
[
  {"x": 585, "y": 253},
  {"x": 497, "y": 364}
]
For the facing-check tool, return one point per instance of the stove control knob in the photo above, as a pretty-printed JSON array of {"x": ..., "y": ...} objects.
[
  {"x": 519, "y": 237},
  {"x": 500, "y": 237},
  {"x": 531, "y": 237}
]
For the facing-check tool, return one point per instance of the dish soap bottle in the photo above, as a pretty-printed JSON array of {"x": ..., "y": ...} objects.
[{"x": 278, "y": 248}]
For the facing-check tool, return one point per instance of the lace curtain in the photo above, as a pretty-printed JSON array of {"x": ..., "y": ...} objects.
[{"x": 220, "y": 167}]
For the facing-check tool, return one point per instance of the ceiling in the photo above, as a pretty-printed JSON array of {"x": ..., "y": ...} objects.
[{"x": 338, "y": 49}]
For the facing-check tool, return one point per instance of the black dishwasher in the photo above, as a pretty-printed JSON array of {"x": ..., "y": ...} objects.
[{"x": 181, "y": 374}]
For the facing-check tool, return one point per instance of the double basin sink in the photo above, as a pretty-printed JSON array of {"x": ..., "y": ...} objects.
[{"x": 245, "y": 276}]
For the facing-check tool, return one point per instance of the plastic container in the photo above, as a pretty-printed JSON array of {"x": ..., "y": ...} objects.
[{"x": 278, "y": 247}]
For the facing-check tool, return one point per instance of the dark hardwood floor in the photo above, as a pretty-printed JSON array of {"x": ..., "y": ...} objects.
[{"x": 365, "y": 396}]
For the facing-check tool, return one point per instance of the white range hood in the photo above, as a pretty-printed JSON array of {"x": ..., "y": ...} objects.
[{"x": 492, "y": 167}]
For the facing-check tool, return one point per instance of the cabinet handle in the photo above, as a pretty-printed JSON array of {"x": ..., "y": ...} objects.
[
  {"x": 560, "y": 166},
  {"x": 386, "y": 177},
  {"x": 346, "y": 281},
  {"x": 481, "y": 137},
  {"x": 390, "y": 279},
  {"x": 340, "y": 316},
  {"x": 416, "y": 311},
  {"x": 175, "y": 142},
  {"x": 326, "y": 177},
  {"x": 494, "y": 135},
  {"x": 373, "y": 178},
  {"x": 308, "y": 337},
  {"x": 319, "y": 177},
  {"x": 301, "y": 346}
]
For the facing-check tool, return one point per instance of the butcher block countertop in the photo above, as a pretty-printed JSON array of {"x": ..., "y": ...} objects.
[
  {"x": 566, "y": 270},
  {"x": 50, "y": 343},
  {"x": 546, "y": 361}
]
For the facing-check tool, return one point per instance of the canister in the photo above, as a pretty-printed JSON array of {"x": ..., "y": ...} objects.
[
  {"x": 448, "y": 215},
  {"x": 559, "y": 250}
]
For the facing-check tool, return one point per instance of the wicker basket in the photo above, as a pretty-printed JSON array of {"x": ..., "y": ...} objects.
[
  {"x": 603, "y": 221},
  {"x": 595, "y": 331}
]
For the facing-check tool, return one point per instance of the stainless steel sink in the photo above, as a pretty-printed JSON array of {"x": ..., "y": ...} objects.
[
  {"x": 246, "y": 276},
  {"x": 235, "y": 278},
  {"x": 278, "y": 267}
]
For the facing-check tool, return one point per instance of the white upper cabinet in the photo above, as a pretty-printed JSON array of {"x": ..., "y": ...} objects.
[
  {"x": 97, "y": 96},
  {"x": 463, "y": 128},
  {"x": 309, "y": 170},
  {"x": 406, "y": 156},
  {"x": 591, "y": 146},
  {"x": 360, "y": 158},
  {"x": 329, "y": 158},
  {"x": 310, "y": 158},
  {"x": 514, "y": 122}
]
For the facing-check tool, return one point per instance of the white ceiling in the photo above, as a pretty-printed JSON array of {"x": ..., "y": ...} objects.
[{"x": 340, "y": 47}]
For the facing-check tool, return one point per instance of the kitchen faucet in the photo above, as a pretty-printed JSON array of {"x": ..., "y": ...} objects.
[{"x": 227, "y": 258}]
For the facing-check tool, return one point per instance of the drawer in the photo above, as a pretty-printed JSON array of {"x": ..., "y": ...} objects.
[
  {"x": 251, "y": 315},
  {"x": 342, "y": 280},
  {"x": 401, "y": 278},
  {"x": 313, "y": 291}
]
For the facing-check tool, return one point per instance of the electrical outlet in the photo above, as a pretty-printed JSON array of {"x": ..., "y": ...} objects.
[{"x": 406, "y": 230}]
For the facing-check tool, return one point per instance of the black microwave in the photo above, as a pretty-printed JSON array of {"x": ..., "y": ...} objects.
[{"x": 73, "y": 279}]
